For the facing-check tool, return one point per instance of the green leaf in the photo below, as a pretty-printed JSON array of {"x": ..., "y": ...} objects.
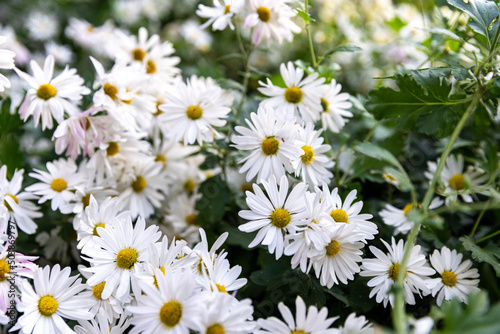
[
  {"x": 377, "y": 152},
  {"x": 215, "y": 196},
  {"x": 489, "y": 254},
  {"x": 400, "y": 180},
  {"x": 305, "y": 16},
  {"x": 483, "y": 13},
  {"x": 396, "y": 23},
  {"x": 343, "y": 48},
  {"x": 422, "y": 102},
  {"x": 271, "y": 275},
  {"x": 9, "y": 123}
]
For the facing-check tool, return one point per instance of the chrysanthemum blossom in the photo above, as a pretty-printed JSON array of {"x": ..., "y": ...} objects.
[
  {"x": 56, "y": 296},
  {"x": 274, "y": 215},
  {"x": 271, "y": 19},
  {"x": 309, "y": 321},
  {"x": 270, "y": 140},
  {"x": 221, "y": 14},
  {"x": 195, "y": 108},
  {"x": 385, "y": 269},
  {"x": 457, "y": 279},
  {"x": 335, "y": 107},
  {"x": 6, "y": 62},
  {"x": 51, "y": 97},
  {"x": 355, "y": 325},
  {"x": 301, "y": 98}
]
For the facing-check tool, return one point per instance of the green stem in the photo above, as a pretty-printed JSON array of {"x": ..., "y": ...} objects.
[
  {"x": 246, "y": 77},
  {"x": 479, "y": 219},
  {"x": 488, "y": 236},
  {"x": 309, "y": 36}
]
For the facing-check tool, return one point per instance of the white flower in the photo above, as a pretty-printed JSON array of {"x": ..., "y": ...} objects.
[
  {"x": 220, "y": 15},
  {"x": 51, "y": 97},
  {"x": 338, "y": 259},
  {"x": 195, "y": 108},
  {"x": 17, "y": 204},
  {"x": 6, "y": 62},
  {"x": 42, "y": 26},
  {"x": 311, "y": 322},
  {"x": 271, "y": 142},
  {"x": 386, "y": 268},
  {"x": 123, "y": 250},
  {"x": 349, "y": 213},
  {"x": 335, "y": 107},
  {"x": 274, "y": 214},
  {"x": 456, "y": 180},
  {"x": 54, "y": 298},
  {"x": 300, "y": 98},
  {"x": 132, "y": 49},
  {"x": 355, "y": 325},
  {"x": 182, "y": 214},
  {"x": 312, "y": 165},
  {"x": 457, "y": 278},
  {"x": 172, "y": 307},
  {"x": 220, "y": 277},
  {"x": 271, "y": 19},
  {"x": 58, "y": 185},
  {"x": 103, "y": 325}
]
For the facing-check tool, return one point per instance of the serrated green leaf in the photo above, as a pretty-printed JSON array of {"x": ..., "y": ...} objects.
[
  {"x": 484, "y": 16},
  {"x": 489, "y": 254},
  {"x": 215, "y": 196},
  {"x": 305, "y": 16},
  {"x": 343, "y": 48}
]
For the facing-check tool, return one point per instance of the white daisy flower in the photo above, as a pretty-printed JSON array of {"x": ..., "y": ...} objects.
[
  {"x": 172, "y": 307},
  {"x": 104, "y": 325},
  {"x": 457, "y": 279},
  {"x": 355, "y": 325},
  {"x": 335, "y": 107},
  {"x": 338, "y": 259},
  {"x": 221, "y": 14},
  {"x": 275, "y": 214},
  {"x": 58, "y": 185},
  {"x": 42, "y": 25},
  {"x": 17, "y": 204},
  {"x": 312, "y": 321},
  {"x": 300, "y": 98},
  {"x": 51, "y": 97},
  {"x": 220, "y": 277},
  {"x": 456, "y": 180},
  {"x": 182, "y": 214},
  {"x": 271, "y": 141},
  {"x": 349, "y": 213},
  {"x": 123, "y": 251},
  {"x": 385, "y": 268},
  {"x": 134, "y": 49},
  {"x": 271, "y": 19},
  {"x": 195, "y": 108},
  {"x": 313, "y": 165},
  {"x": 55, "y": 297},
  {"x": 161, "y": 66},
  {"x": 6, "y": 62}
]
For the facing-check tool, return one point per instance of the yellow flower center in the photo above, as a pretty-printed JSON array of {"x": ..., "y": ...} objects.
[
  {"x": 389, "y": 178},
  {"x": 97, "y": 290},
  {"x": 46, "y": 92},
  {"x": 189, "y": 186},
  {"x": 280, "y": 218},
  {"x": 158, "y": 110},
  {"x": 113, "y": 149},
  {"x": 216, "y": 329},
  {"x": 246, "y": 187},
  {"x": 325, "y": 104},
  {"x": 333, "y": 248},
  {"x": 110, "y": 90},
  {"x": 95, "y": 229},
  {"x": 298, "y": 331},
  {"x": 171, "y": 313},
  {"x": 126, "y": 258},
  {"x": 293, "y": 94},
  {"x": 155, "y": 282},
  {"x": 264, "y": 14},
  {"x": 4, "y": 270},
  {"x": 221, "y": 288},
  {"x": 194, "y": 112},
  {"x": 47, "y": 305},
  {"x": 227, "y": 8},
  {"x": 139, "y": 184},
  {"x": 192, "y": 219},
  {"x": 394, "y": 271},
  {"x": 7, "y": 204},
  {"x": 58, "y": 184},
  {"x": 138, "y": 54},
  {"x": 270, "y": 146},
  {"x": 150, "y": 67},
  {"x": 86, "y": 200},
  {"x": 449, "y": 278},
  {"x": 457, "y": 182},
  {"x": 308, "y": 156},
  {"x": 339, "y": 215}
]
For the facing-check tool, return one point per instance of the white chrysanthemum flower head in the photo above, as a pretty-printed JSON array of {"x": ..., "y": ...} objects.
[
  {"x": 123, "y": 250},
  {"x": 17, "y": 205},
  {"x": 161, "y": 66},
  {"x": 274, "y": 215},
  {"x": 301, "y": 97},
  {"x": 386, "y": 267},
  {"x": 195, "y": 108},
  {"x": 207, "y": 257},
  {"x": 221, "y": 14},
  {"x": 457, "y": 279},
  {"x": 56, "y": 296},
  {"x": 355, "y": 325},
  {"x": 311, "y": 321},
  {"x": 182, "y": 214},
  {"x": 270, "y": 139},
  {"x": 41, "y": 25},
  {"x": 335, "y": 107},
  {"x": 6, "y": 62},
  {"x": 51, "y": 97},
  {"x": 130, "y": 48},
  {"x": 101, "y": 324},
  {"x": 271, "y": 19},
  {"x": 219, "y": 276}
]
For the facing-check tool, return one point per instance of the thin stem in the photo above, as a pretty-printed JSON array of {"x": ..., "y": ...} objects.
[
  {"x": 309, "y": 36},
  {"x": 488, "y": 236},
  {"x": 245, "y": 79},
  {"x": 479, "y": 219}
]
